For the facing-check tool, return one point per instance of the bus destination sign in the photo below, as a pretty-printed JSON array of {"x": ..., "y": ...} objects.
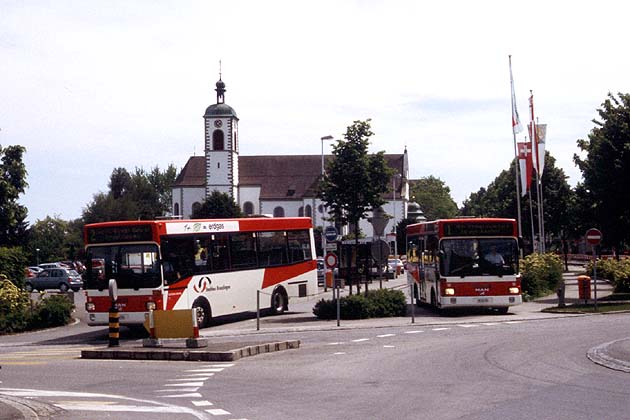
[
  {"x": 479, "y": 229},
  {"x": 131, "y": 233}
]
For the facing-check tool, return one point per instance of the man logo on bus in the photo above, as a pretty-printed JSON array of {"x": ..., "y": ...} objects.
[{"x": 202, "y": 285}]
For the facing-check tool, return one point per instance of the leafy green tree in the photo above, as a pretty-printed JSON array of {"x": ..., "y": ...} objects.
[
  {"x": 55, "y": 238},
  {"x": 499, "y": 200},
  {"x": 606, "y": 170},
  {"x": 401, "y": 237},
  {"x": 434, "y": 198},
  {"x": 12, "y": 184},
  {"x": 141, "y": 195},
  {"x": 218, "y": 206},
  {"x": 355, "y": 181}
]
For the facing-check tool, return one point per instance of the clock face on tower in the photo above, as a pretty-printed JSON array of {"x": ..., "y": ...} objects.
[{"x": 218, "y": 123}]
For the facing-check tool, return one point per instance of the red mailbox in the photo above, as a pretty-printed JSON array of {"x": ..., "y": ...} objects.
[{"x": 584, "y": 287}]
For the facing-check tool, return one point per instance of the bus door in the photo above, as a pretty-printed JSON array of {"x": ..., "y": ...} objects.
[{"x": 430, "y": 267}]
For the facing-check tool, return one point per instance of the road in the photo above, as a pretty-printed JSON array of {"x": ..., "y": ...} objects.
[{"x": 493, "y": 368}]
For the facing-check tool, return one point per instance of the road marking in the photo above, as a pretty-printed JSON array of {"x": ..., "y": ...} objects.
[
  {"x": 335, "y": 344},
  {"x": 490, "y": 324},
  {"x": 194, "y": 375},
  {"x": 413, "y": 332},
  {"x": 204, "y": 403},
  {"x": 180, "y": 390},
  {"x": 468, "y": 325},
  {"x": 186, "y": 384},
  {"x": 223, "y": 365},
  {"x": 389, "y": 347},
  {"x": 205, "y": 378},
  {"x": 440, "y": 329},
  {"x": 513, "y": 322},
  {"x": 119, "y": 408},
  {"x": 385, "y": 335},
  {"x": 339, "y": 353},
  {"x": 218, "y": 412},
  {"x": 205, "y": 370},
  {"x": 360, "y": 340},
  {"x": 188, "y": 395}
]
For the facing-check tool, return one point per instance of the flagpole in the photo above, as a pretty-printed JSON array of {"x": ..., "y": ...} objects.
[
  {"x": 516, "y": 166},
  {"x": 534, "y": 140}
]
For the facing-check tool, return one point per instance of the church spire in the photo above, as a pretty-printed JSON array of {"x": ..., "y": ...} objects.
[{"x": 220, "y": 88}]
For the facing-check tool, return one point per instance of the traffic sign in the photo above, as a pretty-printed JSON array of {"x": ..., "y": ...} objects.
[
  {"x": 593, "y": 236},
  {"x": 331, "y": 260},
  {"x": 330, "y": 232}
]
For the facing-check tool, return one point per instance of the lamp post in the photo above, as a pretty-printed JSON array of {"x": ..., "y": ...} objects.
[
  {"x": 37, "y": 250},
  {"x": 394, "y": 177},
  {"x": 325, "y": 138}
]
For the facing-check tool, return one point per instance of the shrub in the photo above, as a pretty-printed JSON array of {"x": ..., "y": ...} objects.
[
  {"x": 52, "y": 311},
  {"x": 377, "y": 303},
  {"x": 12, "y": 263},
  {"x": 541, "y": 274},
  {"x": 617, "y": 272},
  {"x": 14, "y": 305}
]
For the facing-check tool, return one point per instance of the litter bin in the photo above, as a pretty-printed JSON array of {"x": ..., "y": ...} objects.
[
  {"x": 584, "y": 287},
  {"x": 329, "y": 278}
]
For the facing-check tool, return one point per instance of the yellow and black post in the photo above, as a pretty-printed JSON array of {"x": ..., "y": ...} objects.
[{"x": 114, "y": 318}]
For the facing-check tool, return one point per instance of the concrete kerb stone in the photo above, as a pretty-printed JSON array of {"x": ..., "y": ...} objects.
[
  {"x": 162, "y": 353},
  {"x": 613, "y": 355}
]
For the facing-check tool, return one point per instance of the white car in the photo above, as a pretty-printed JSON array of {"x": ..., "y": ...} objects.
[{"x": 395, "y": 262}]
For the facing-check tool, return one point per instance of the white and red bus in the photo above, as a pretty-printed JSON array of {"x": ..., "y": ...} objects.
[
  {"x": 216, "y": 266},
  {"x": 464, "y": 263}
]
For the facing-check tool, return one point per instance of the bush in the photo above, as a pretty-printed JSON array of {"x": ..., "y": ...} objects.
[
  {"x": 52, "y": 311},
  {"x": 617, "y": 272},
  {"x": 12, "y": 264},
  {"x": 377, "y": 303},
  {"x": 541, "y": 274}
]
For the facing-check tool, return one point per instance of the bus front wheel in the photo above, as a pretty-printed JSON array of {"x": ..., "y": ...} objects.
[{"x": 204, "y": 314}]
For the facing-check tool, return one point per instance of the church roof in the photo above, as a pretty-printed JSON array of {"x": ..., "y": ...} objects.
[
  {"x": 220, "y": 110},
  {"x": 283, "y": 177}
]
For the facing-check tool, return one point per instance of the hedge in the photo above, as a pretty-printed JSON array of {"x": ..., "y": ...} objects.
[
  {"x": 541, "y": 274},
  {"x": 380, "y": 303},
  {"x": 617, "y": 272}
]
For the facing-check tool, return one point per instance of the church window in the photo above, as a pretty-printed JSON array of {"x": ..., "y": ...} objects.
[
  {"x": 218, "y": 140},
  {"x": 196, "y": 207},
  {"x": 176, "y": 209},
  {"x": 307, "y": 211},
  {"x": 278, "y": 212},
  {"x": 248, "y": 208},
  {"x": 301, "y": 212}
]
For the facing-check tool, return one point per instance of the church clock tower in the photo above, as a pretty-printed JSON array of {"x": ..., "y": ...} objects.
[{"x": 221, "y": 146}]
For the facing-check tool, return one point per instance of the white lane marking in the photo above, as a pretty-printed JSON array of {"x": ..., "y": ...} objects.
[
  {"x": 224, "y": 365},
  {"x": 389, "y": 347},
  {"x": 218, "y": 412},
  {"x": 468, "y": 325},
  {"x": 385, "y": 335},
  {"x": 335, "y": 344},
  {"x": 204, "y": 378},
  {"x": 360, "y": 340},
  {"x": 195, "y": 389},
  {"x": 339, "y": 353},
  {"x": 204, "y": 403},
  {"x": 186, "y": 384},
  {"x": 490, "y": 324},
  {"x": 440, "y": 329},
  {"x": 513, "y": 322},
  {"x": 413, "y": 332},
  {"x": 119, "y": 408},
  {"x": 205, "y": 370},
  {"x": 194, "y": 375},
  {"x": 188, "y": 395}
]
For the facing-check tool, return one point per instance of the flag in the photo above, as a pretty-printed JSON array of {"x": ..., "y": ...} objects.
[
  {"x": 525, "y": 166},
  {"x": 516, "y": 121},
  {"x": 541, "y": 135},
  {"x": 533, "y": 134}
]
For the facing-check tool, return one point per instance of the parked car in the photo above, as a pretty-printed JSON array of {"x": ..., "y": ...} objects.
[
  {"x": 33, "y": 271},
  {"x": 55, "y": 278},
  {"x": 50, "y": 265},
  {"x": 395, "y": 263}
]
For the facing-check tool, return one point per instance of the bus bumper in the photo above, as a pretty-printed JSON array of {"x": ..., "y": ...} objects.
[
  {"x": 125, "y": 318},
  {"x": 480, "y": 301}
]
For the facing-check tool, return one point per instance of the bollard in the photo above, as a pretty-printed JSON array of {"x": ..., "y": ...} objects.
[
  {"x": 114, "y": 326},
  {"x": 151, "y": 325},
  {"x": 195, "y": 324}
]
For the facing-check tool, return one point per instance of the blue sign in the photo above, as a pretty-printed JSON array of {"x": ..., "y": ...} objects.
[{"x": 330, "y": 232}]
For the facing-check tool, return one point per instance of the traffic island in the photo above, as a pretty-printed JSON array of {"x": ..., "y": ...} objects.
[{"x": 215, "y": 352}]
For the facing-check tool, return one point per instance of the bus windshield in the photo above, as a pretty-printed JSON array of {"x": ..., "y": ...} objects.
[
  {"x": 133, "y": 266},
  {"x": 478, "y": 257}
]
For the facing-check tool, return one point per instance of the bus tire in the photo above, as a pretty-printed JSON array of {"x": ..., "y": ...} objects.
[
  {"x": 502, "y": 310},
  {"x": 204, "y": 313},
  {"x": 279, "y": 301}
]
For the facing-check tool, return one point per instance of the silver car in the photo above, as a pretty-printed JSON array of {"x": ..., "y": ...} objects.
[{"x": 55, "y": 278}]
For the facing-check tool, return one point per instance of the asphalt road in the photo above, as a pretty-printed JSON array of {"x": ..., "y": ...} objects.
[{"x": 497, "y": 367}]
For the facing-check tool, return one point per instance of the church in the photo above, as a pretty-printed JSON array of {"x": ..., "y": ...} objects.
[{"x": 270, "y": 185}]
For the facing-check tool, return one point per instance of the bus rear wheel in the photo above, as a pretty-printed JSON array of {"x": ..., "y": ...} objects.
[
  {"x": 278, "y": 302},
  {"x": 204, "y": 313}
]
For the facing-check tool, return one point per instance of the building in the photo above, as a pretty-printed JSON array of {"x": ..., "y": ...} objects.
[{"x": 280, "y": 185}]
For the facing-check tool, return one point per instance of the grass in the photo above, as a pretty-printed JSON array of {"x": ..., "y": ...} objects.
[{"x": 602, "y": 307}]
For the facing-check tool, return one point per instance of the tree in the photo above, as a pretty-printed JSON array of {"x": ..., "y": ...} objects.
[
  {"x": 218, "y": 206},
  {"x": 141, "y": 195},
  {"x": 434, "y": 198},
  {"x": 606, "y": 171},
  {"x": 12, "y": 184},
  {"x": 355, "y": 182},
  {"x": 499, "y": 200},
  {"x": 49, "y": 236}
]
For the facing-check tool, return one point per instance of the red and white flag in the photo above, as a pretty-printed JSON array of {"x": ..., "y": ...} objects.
[
  {"x": 516, "y": 121},
  {"x": 525, "y": 166}
]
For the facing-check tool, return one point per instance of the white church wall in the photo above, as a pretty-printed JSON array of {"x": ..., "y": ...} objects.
[{"x": 251, "y": 194}]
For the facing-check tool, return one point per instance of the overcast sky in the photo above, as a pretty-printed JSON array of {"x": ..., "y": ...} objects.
[{"x": 88, "y": 86}]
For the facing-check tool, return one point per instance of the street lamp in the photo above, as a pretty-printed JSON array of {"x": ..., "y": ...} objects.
[
  {"x": 394, "y": 177},
  {"x": 37, "y": 250},
  {"x": 324, "y": 138}
]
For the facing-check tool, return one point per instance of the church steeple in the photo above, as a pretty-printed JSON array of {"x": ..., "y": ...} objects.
[{"x": 220, "y": 91}]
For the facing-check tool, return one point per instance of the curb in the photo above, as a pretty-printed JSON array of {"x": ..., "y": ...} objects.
[
  {"x": 601, "y": 355},
  {"x": 217, "y": 355}
]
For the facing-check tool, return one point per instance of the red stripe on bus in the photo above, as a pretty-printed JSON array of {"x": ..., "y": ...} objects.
[
  {"x": 275, "y": 275},
  {"x": 135, "y": 303},
  {"x": 480, "y": 288}
]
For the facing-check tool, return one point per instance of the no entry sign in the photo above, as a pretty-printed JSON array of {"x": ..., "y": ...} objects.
[
  {"x": 331, "y": 260},
  {"x": 593, "y": 236}
]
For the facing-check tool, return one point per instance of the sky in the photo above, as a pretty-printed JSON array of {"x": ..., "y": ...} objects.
[{"x": 89, "y": 86}]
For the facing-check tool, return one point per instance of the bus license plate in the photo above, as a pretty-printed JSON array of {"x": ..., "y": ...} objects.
[{"x": 483, "y": 300}]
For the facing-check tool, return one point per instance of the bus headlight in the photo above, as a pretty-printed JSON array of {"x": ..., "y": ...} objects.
[
  {"x": 151, "y": 306},
  {"x": 90, "y": 307},
  {"x": 449, "y": 291},
  {"x": 514, "y": 290}
]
